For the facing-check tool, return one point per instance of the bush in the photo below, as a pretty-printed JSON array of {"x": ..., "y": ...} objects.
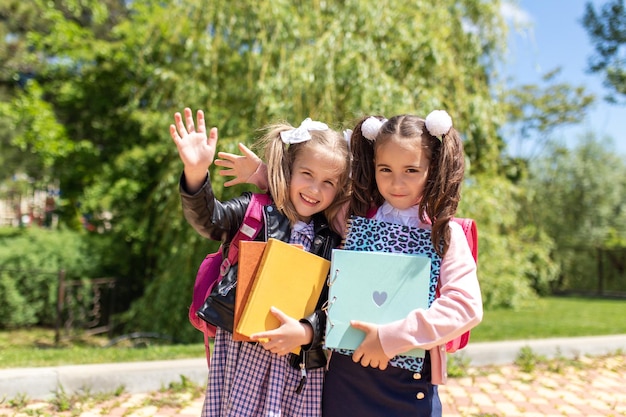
[
  {"x": 514, "y": 263},
  {"x": 30, "y": 261}
]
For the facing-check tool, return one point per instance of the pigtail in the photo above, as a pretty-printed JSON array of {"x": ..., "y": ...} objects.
[
  {"x": 443, "y": 186},
  {"x": 364, "y": 190}
]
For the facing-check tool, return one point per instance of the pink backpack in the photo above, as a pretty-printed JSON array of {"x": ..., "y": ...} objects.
[
  {"x": 214, "y": 266},
  {"x": 471, "y": 234}
]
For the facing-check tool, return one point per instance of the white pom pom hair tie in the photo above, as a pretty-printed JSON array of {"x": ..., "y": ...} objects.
[
  {"x": 438, "y": 123},
  {"x": 371, "y": 126}
]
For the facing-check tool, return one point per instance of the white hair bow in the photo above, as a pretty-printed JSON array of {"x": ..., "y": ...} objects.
[{"x": 301, "y": 133}]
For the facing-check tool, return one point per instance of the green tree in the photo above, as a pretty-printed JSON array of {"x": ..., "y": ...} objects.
[
  {"x": 578, "y": 200},
  {"x": 534, "y": 111},
  {"x": 513, "y": 256},
  {"x": 607, "y": 30},
  {"x": 113, "y": 73},
  {"x": 17, "y": 66}
]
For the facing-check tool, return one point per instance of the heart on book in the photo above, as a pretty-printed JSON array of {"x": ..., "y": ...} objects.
[{"x": 379, "y": 297}]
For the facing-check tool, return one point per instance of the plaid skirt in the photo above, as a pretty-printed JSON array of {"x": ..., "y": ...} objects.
[{"x": 247, "y": 380}]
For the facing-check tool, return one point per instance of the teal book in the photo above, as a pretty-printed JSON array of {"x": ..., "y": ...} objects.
[{"x": 376, "y": 287}]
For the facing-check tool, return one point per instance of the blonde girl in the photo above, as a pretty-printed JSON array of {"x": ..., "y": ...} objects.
[{"x": 308, "y": 181}]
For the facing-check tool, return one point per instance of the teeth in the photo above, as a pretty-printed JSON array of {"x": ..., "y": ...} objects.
[{"x": 305, "y": 198}]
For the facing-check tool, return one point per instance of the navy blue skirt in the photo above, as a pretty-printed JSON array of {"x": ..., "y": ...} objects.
[{"x": 353, "y": 390}]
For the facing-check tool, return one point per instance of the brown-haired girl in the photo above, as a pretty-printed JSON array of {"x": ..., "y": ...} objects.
[{"x": 408, "y": 170}]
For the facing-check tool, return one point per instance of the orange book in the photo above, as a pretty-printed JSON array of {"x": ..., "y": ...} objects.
[
  {"x": 250, "y": 254},
  {"x": 289, "y": 278}
]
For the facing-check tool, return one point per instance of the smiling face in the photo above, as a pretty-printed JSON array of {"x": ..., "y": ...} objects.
[
  {"x": 401, "y": 171},
  {"x": 314, "y": 183}
]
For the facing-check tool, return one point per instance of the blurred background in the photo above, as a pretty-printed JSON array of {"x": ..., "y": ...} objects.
[{"x": 92, "y": 237}]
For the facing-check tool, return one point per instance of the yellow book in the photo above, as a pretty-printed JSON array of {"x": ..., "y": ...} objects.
[
  {"x": 288, "y": 278},
  {"x": 250, "y": 254}
]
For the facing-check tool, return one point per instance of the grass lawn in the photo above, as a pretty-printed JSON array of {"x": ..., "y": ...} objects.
[
  {"x": 35, "y": 347},
  {"x": 554, "y": 317},
  {"x": 547, "y": 317}
]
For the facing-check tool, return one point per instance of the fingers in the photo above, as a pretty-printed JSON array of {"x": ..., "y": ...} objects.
[
  {"x": 249, "y": 154},
  {"x": 276, "y": 345},
  {"x": 245, "y": 151},
  {"x": 225, "y": 160},
  {"x": 357, "y": 325},
  {"x": 366, "y": 360},
  {"x": 174, "y": 133},
  {"x": 212, "y": 141},
  {"x": 282, "y": 317},
  {"x": 228, "y": 159},
  {"x": 189, "y": 120},
  {"x": 232, "y": 182},
  {"x": 359, "y": 357},
  {"x": 201, "y": 123},
  {"x": 180, "y": 127},
  {"x": 185, "y": 125}
]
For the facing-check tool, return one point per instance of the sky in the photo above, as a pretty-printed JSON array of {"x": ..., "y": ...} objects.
[{"x": 555, "y": 37}]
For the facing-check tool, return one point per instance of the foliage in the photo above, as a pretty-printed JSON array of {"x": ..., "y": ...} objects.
[
  {"x": 607, "y": 30},
  {"x": 114, "y": 77},
  {"x": 578, "y": 200},
  {"x": 527, "y": 359},
  {"x": 533, "y": 111},
  {"x": 30, "y": 262},
  {"x": 95, "y": 110},
  {"x": 523, "y": 266}
]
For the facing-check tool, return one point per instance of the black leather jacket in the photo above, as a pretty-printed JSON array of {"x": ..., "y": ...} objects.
[{"x": 220, "y": 221}]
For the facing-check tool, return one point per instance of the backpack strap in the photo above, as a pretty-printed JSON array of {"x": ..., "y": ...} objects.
[
  {"x": 206, "y": 278},
  {"x": 249, "y": 229},
  {"x": 471, "y": 234}
]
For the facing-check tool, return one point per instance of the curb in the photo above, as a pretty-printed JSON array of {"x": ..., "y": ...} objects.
[
  {"x": 501, "y": 353},
  {"x": 139, "y": 377}
]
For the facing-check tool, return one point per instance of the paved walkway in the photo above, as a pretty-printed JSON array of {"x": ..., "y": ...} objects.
[{"x": 573, "y": 378}]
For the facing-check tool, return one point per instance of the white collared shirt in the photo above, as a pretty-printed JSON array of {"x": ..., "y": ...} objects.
[{"x": 406, "y": 217}]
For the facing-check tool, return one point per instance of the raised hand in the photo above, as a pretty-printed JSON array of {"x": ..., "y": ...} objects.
[
  {"x": 195, "y": 149},
  {"x": 242, "y": 167}
]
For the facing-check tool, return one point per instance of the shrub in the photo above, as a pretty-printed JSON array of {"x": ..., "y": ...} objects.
[{"x": 30, "y": 262}]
